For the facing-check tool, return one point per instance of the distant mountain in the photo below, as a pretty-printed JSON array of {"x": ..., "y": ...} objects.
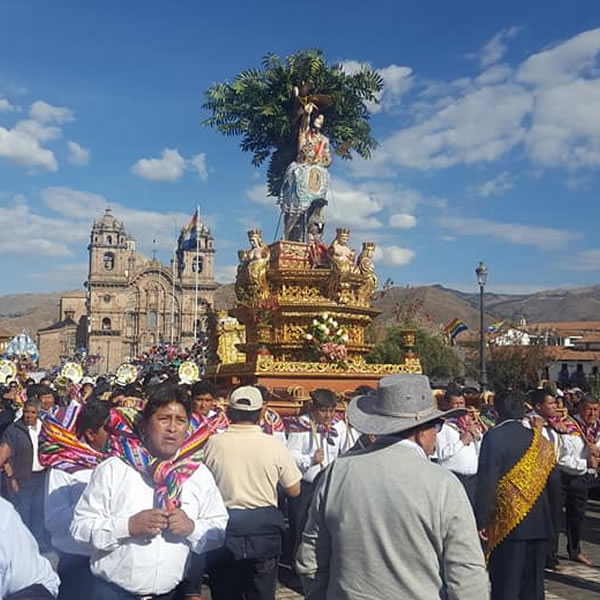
[
  {"x": 30, "y": 312},
  {"x": 575, "y": 304}
]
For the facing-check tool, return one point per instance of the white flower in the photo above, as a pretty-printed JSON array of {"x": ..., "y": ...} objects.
[
  {"x": 339, "y": 332},
  {"x": 345, "y": 337},
  {"x": 334, "y": 323},
  {"x": 325, "y": 316},
  {"x": 326, "y": 332},
  {"x": 309, "y": 336},
  {"x": 315, "y": 322},
  {"x": 322, "y": 326}
]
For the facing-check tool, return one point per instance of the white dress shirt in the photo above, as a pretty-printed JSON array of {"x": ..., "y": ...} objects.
[
  {"x": 21, "y": 564},
  {"x": 34, "y": 436},
  {"x": 304, "y": 444},
  {"x": 573, "y": 455},
  {"x": 412, "y": 445},
  {"x": 63, "y": 491},
  {"x": 453, "y": 454},
  {"x": 144, "y": 566}
]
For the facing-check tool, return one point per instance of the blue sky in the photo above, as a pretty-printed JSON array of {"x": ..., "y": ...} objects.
[{"x": 489, "y": 132}]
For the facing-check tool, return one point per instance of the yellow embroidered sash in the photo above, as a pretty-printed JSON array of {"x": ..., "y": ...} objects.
[{"x": 518, "y": 490}]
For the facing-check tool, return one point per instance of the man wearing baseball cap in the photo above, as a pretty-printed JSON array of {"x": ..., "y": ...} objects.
[
  {"x": 385, "y": 522},
  {"x": 247, "y": 465}
]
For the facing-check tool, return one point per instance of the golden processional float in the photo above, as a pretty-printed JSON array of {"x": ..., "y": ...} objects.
[
  {"x": 302, "y": 305},
  {"x": 300, "y": 319}
]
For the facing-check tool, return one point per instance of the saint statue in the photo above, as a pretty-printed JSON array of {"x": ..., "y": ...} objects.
[
  {"x": 251, "y": 278},
  {"x": 367, "y": 270},
  {"x": 306, "y": 179},
  {"x": 341, "y": 258}
]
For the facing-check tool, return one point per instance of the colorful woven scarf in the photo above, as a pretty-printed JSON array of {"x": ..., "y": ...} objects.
[
  {"x": 271, "y": 422},
  {"x": 59, "y": 446},
  {"x": 300, "y": 425},
  {"x": 166, "y": 476}
]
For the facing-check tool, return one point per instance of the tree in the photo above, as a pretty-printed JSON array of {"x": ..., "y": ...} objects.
[
  {"x": 518, "y": 368},
  {"x": 258, "y": 106},
  {"x": 438, "y": 359}
]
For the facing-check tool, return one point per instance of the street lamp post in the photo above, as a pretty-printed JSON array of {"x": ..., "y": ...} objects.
[{"x": 482, "y": 272}]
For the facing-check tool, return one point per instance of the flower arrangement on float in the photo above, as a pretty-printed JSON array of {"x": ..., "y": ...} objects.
[{"x": 326, "y": 340}]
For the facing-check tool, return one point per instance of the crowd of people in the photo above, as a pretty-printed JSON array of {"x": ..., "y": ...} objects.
[{"x": 155, "y": 490}]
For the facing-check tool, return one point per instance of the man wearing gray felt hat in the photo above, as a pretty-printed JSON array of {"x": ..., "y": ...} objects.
[{"x": 385, "y": 522}]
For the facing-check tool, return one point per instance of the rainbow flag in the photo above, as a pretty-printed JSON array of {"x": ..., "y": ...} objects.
[
  {"x": 454, "y": 327},
  {"x": 187, "y": 238},
  {"x": 494, "y": 327}
]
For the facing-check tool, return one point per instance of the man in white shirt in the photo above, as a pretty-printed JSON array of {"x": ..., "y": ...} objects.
[
  {"x": 64, "y": 485},
  {"x": 141, "y": 533},
  {"x": 578, "y": 463},
  {"x": 23, "y": 473},
  {"x": 458, "y": 443},
  {"x": 21, "y": 566}
]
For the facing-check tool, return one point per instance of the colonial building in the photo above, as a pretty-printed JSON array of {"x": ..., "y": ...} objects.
[
  {"x": 134, "y": 301},
  {"x": 62, "y": 339}
]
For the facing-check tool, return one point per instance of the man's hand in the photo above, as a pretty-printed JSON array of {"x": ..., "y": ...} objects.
[
  {"x": 180, "y": 524},
  {"x": 318, "y": 457},
  {"x": 592, "y": 461},
  {"x": 147, "y": 523},
  {"x": 466, "y": 437}
]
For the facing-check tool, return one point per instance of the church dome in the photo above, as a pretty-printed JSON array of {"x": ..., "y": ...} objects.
[{"x": 108, "y": 221}]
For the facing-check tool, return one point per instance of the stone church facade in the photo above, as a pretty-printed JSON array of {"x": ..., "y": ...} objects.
[{"x": 134, "y": 301}]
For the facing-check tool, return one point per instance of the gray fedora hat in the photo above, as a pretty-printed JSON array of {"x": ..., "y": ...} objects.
[{"x": 401, "y": 402}]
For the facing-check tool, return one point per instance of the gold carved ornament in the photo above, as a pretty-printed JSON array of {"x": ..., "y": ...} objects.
[{"x": 518, "y": 490}]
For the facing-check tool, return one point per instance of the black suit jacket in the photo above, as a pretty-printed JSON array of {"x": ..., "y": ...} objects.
[{"x": 501, "y": 449}]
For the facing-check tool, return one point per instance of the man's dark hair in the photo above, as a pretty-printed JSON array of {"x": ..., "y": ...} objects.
[
  {"x": 459, "y": 381},
  {"x": 164, "y": 394},
  {"x": 509, "y": 405},
  {"x": 203, "y": 387},
  {"x": 243, "y": 416},
  {"x": 323, "y": 398},
  {"x": 32, "y": 402},
  {"x": 36, "y": 390},
  {"x": 94, "y": 415},
  {"x": 588, "y": 399},
  {"x": 363, "y": 390},
  {"x": 537, "y": 397}
]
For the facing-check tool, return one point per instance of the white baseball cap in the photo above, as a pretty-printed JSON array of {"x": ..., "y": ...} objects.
[{"x": 247, "y": 398}]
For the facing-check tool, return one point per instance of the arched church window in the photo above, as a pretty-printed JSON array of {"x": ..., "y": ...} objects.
[
  {"x": 106, "y": 324},
  {"x": 197, "y": 264},
  {"x": 109, "y": 261},
  {"x": 152, "y": 319},
  {"x": 109, "y": 240}
]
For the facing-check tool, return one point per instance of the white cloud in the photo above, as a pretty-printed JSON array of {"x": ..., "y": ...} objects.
[
  {"x": 46, "y": 113},
  {"x": 78, "y": 155},
  {"x": 393, "y": 256},
  {"x": 259, "y": 195},
  {"x": 397, "y": 81},
  {"x": 544, "y": 238},
  {"x": 6, "y": 106},
  {"x": 61, "y": 276},
  {"x": 403, "y": 221},
  {"x": 353, "y": 206},
  {"x": 494, "y": 187},
  {"x": 198, "y": 164},
  {"x": 495, "y": 49},
  {"x": 547, "y": 104},
  {"x": 22, "y": 148},
  {"x": 587, "y": 260},
  {"x": 170, "y": 166},
  {"x": 79, "y": 208}
]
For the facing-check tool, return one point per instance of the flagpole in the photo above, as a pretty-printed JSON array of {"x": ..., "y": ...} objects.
[
  {"x": 197, "y": 264},
  {"x": 173, "y": 271}
]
